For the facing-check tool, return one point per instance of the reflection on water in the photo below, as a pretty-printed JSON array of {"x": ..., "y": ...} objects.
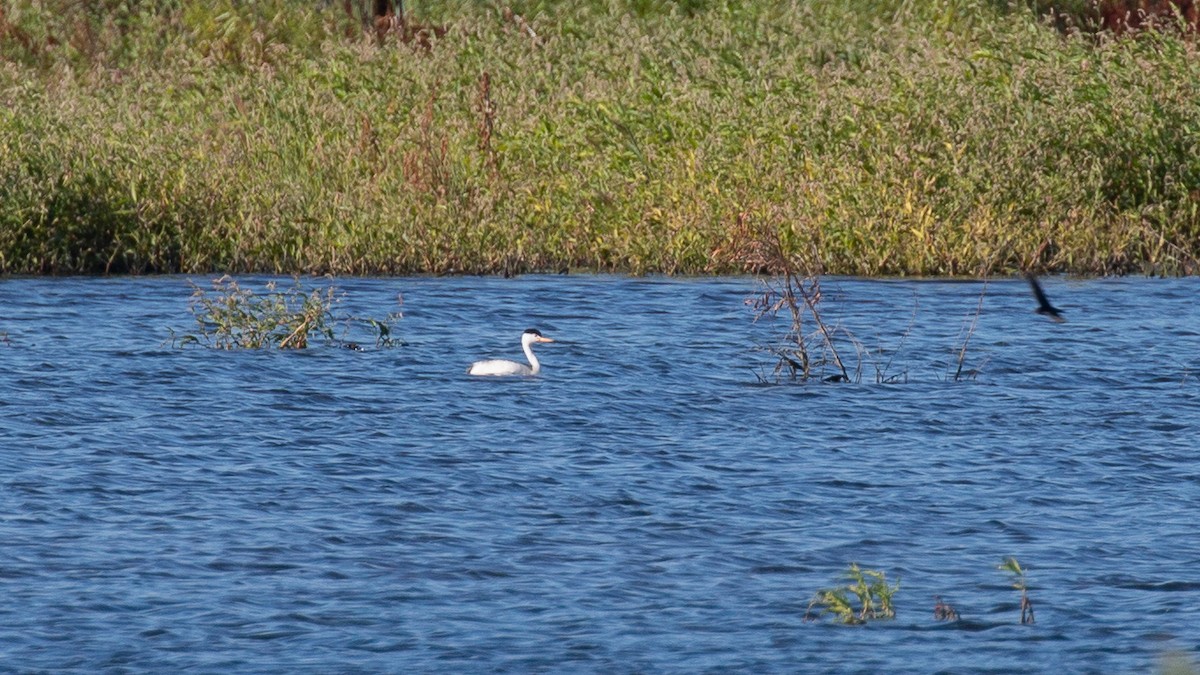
[{"x": 644, "y": 505}]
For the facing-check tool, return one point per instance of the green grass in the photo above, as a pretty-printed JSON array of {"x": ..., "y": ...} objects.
[{"x": 939, "y": 138}]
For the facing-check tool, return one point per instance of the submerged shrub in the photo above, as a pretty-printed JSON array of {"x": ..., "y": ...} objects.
[{"x": 233, "y": 317}]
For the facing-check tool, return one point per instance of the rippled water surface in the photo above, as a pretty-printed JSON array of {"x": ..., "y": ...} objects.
[{"x": 645, "y": 505}]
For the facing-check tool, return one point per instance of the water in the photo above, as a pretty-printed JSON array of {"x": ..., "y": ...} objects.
[{"x": 646, "y": 505}]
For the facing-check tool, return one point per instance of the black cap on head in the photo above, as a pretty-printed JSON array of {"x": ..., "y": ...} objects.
[{"x": 534, "y": 331}]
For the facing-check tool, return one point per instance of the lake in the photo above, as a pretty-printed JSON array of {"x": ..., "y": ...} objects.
[{"x": 652, "y": 502}]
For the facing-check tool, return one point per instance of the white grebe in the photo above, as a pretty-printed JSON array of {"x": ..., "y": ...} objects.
[{"x": 505, "y": 367}]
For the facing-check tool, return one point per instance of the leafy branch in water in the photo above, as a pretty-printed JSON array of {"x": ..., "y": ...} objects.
[
  {"x": 868, "y": 587},
  {"x": 1011, "y": 565},
  {"x": 230, "y": 316}
]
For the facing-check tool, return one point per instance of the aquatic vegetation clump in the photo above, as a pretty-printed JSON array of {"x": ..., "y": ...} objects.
[
  {"x": 230, "y": 316},
  {"x": 866, "y": 595},
  {"x": 868, "y": 587}
]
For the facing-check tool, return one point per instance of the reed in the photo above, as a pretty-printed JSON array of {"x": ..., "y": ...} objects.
[
  {"x": 939, "y": 138},
  {"x": 967, "y": 333}
]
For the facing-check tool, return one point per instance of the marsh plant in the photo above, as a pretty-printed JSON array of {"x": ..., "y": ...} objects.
[
  {"x": 811, "y": 348},
  {"x": 231, "y": 316},
  {"x": 1020, "y": 583},
  {"x": 791, "y": 284},
  {"x": 893, "y": 137},
  {"x": 866, "y": 595}
]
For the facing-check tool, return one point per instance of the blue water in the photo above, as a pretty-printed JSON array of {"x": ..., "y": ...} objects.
[{"x": 648, "y": 504}]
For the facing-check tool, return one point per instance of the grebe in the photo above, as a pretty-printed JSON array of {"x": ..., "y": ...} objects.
[{"x": 505, "y": 367}]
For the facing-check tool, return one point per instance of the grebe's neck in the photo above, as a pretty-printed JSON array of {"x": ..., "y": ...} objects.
[{"x": 534, "y": 366}]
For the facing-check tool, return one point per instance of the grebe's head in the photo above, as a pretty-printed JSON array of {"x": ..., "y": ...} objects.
[{"x": 534, "y": 335}]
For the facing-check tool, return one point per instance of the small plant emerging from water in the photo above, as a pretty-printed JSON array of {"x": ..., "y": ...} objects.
[
  {"x": 1011, "y": 565},
  {"x": 969, "y": 332},
  {"x": 233, "y": 317},
  {"x": 868, "y": 587}
]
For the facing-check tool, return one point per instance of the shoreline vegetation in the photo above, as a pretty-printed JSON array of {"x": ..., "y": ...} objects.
[{"x": 950, "y": 137}]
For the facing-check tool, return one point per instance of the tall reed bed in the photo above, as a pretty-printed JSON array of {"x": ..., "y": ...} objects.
[{"x": 948, "y": 137}]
